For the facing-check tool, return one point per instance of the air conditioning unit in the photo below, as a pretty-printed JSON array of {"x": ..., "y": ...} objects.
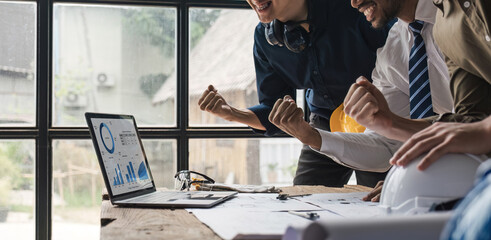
[
  {"x": 104, "y": 80},
  {"x": 74, "y": 100}
]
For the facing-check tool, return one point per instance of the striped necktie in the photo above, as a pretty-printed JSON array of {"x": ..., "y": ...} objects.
[{"x": 419, "y": 81}]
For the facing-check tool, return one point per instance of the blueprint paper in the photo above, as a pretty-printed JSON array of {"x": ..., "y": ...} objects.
[
  {"x": 253, "y": 214},
  {"x": 263, "y": 214},
  {"x": 228, "y": 223},
  {"x": 356, "y": 211},
  {"x": 263, "y": 202},
  {"x": 344, "y": 204},
  {"x": 336, "y": 198}
]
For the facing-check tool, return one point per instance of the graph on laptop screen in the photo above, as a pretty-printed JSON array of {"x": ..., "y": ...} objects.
[{"x": 123, "y": 158}]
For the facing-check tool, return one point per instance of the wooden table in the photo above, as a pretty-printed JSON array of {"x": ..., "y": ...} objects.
[{"x": 144, "y": 223}]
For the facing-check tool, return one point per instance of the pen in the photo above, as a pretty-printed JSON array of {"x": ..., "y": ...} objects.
[{"x": 308, "y": 215}]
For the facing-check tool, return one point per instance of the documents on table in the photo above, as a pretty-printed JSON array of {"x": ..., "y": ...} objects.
[
  {"x": 264, "y": 215},
  {"x": 344, "y": 204},
  {"x": 336, "y": 198},
  {"x": 228, "y": 223},
  {"x": 256, "y": 202}
]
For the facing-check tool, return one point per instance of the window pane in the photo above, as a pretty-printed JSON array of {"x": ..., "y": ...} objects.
[
  {"x": 113, "y": 59},
  {"x": 221, "y": 54},
  {"x": 78, "y": 183},
  {"x": 162, "y": 158},
  {"x": 246, "y": 161},
  {"x": 17, "y": 190},
  {"x": 17, "y": 63}
]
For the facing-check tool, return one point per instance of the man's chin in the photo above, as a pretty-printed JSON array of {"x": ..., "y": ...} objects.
[
  {"x": 379, "y": 23},
  {"x": 376, "y": 24},
  {"x": 265, "y": 19}
]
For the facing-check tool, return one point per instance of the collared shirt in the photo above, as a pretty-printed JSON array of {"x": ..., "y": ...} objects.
[
  {"x": 391, "y": 74},
  {"x": 370, "y": 151},
  {"x": 342, "y": 47},
  {"x": 462, "y": 31}
]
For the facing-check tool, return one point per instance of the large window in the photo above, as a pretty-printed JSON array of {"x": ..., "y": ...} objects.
[
  {"x": 17, "y": 63},
  {"x": 221, "y": 55},
  {"x": 113, "y": 59},
  {"x": 151, "y": 59},
  {"x": 17, "y": 193},
  {"x": 271, "y": 161}
]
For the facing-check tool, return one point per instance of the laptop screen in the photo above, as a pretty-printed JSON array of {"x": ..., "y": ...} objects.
[{"x": 122, "y": 154}]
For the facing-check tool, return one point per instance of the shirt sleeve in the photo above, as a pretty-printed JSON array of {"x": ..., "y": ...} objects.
[
  {"x": 367, "y": 151},
  {"x": 397, "y": 99},
  {"x": 270, "y": 86},
  {"x": 471, "y": 96}
]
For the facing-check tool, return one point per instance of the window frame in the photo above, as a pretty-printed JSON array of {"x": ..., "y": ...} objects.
[{"x": 44, "y": 132}]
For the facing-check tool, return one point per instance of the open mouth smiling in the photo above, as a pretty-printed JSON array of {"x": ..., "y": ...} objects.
[
  {"x": 368, "y": 9},
  {"x": 262, "y": 6}
]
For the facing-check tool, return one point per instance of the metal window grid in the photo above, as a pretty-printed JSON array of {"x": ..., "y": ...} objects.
[{"x": 44, "y": 132}]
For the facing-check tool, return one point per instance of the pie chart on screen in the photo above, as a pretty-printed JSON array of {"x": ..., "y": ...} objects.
[{"x": 107, "y": 137}]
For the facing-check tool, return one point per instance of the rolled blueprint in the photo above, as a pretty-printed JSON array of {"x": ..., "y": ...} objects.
[{"x": 424, "y": 226}]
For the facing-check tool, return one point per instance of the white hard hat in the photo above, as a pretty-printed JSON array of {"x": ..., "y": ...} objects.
[{"x": 408, "y": 190}]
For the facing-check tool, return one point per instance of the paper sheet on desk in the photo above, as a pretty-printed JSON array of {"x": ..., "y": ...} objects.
[
  {"x": 344, "y": 204},
  {"x": 228, "y": 223},
  {"x": 336, "y": 198},
  {"x": 263, "y": 214},
  {"x": 253, "y": 214},
  {"x": 264, "y": 202}
]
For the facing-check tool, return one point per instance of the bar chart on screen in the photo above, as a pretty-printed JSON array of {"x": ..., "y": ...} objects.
[
  {"x": 118, "y": 180},
  {"x": 130, "y": 176},
  {"x": 142, "y": 171}
]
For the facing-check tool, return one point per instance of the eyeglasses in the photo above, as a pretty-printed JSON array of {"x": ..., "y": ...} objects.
[{"x": 185, "y": 178}]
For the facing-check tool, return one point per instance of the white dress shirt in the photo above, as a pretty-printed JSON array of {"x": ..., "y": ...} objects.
[{"x": 370, "y": 151}]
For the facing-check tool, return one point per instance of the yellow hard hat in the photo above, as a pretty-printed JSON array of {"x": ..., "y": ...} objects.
[{"x": 340, "y": 122}]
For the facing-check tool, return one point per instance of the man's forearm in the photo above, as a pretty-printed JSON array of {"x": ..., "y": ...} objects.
[
  {"x": 246, "y": 117},
  {"x": 310, "y": 137},
  {"x": 366, "y": 151},
  {"x": 486, "y": 123},
  {"x": 401, "y": 129}
]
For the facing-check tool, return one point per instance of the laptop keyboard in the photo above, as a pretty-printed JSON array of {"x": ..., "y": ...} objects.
[{"x": 157, "y": 197}]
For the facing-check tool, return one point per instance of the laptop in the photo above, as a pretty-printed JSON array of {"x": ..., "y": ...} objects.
[{"x": 125, "y": 168}]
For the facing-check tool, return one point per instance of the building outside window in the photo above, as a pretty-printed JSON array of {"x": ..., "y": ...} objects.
[{"x": 126, "y": 58}]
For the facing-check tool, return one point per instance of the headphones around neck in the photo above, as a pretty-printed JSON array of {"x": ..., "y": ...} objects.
[{"x": 290, "y": 34}]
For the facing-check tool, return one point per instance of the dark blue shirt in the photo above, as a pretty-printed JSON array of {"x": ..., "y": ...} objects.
[{"x": 342, "y": 47}]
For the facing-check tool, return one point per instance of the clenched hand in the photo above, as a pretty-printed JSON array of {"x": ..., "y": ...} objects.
[
  {"x": 287, "y": 116},
  {"x": 367, "y": 105},
  {"x": 211, "y": 101}
]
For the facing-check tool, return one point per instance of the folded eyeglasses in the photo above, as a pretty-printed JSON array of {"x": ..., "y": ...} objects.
[{"x": 184, "y": 179}]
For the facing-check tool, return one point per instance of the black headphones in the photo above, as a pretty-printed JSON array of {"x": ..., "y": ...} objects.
[{"x": 290, "y": 34}]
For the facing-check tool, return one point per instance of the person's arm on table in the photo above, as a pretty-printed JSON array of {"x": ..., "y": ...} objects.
[
  {"x": 442, "y": 138},
  {"x": 367, "y": 105},
  {"x": 374, "y": 195}
]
